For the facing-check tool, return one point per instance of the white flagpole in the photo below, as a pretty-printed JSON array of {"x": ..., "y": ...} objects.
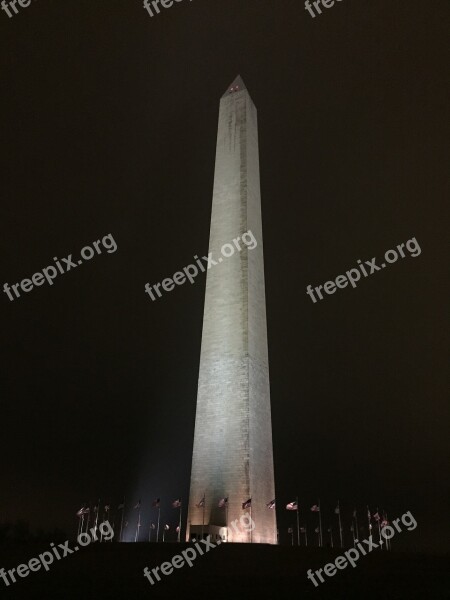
[
  {"x": 138, "y": 526},
  {"x": 320, "y": 526},
  {"x": 226, "y": 509},
  {"x": 251, "y": 521},
  {"x": 203, "y": 520},
  {"x": 121, "y": 520},
  {"x": 340, "y": 524},
  {"x": 159, "y": 515},
  {"x": 379, "y": 530},
  {"x": 88, "y": 518},
  {"x": 298, "y": 525},
  {"x": 96, "y": 516},
  {"x": 80, "y": 523}
]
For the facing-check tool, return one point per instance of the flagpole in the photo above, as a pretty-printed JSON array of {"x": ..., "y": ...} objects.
[
  {"x": 298, "y": 525},
  {"x": 379, "y": 530},
  {"x": 203, "y": 519},
  {"x": 340, "y": 524},
  {"x": 226, "y": 509},
  {"x": 89, "y": 517},
  {"x": 353, "y": 534},
  {"x": 251, "y": 521},
  {"x": 320, "y": 525},
  {"x": 138, "y": 525},
  {"x": 121, "y": 520},
  {"x": 370, "y": 524},
  {"x": 80, "y": 523},
  {"x": 159, "y": 516},
  {"x": 96, "y": 516},
  {"x": 179, "y": 524}
]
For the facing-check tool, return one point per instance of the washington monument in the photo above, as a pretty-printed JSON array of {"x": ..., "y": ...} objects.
[{"x": 232, "y": 456}]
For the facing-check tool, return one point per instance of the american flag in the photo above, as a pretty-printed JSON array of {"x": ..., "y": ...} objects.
[
  {"x": 292, "y": 506},
  {"x": 247, "y": 504},
  {"x": 337, "y": 510},
  {"x": 176, "y": 503},
  {"x": 271, "y": 504},
  {"x": 315, "y": 508},
  {"x": 290, "y": 530},
  {"x": 201, "y": 504},
  {"x": 223, "y": 502},
  {"x": 376, "y": 516},
  {"x": 156, "y": 503},
  {"x": 166, "y": 527},
  {"x": 81, "y": 512}
]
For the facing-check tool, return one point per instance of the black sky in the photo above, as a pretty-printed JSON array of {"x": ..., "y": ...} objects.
[{"x": 109, "y": 122}]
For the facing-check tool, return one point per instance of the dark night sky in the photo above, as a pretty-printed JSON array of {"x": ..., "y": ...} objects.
[{"x": 108, "y": 125}]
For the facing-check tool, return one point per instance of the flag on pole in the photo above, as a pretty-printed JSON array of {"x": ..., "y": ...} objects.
[
  {"x": 384, "y": 523},
  {"x": 152, "y": 526},
  {"x": 177, "y": 529},
  {"x": 223, "y": 502},
  {"x": 271, "y": 504},
  {"x": 80, "y": 513},
  {"x": 376, "y": 516},
  {"x": 290, "y": 530},
  {"x": 302, "y": 530},
  {"x": 176, "y": 503},
  {"x": 354, "y": 514},
  {"x": 201, "y": 504},
  {"x": 166, "y": 527},
  {"x": 156, "y": 503},
  {"x": 315, "y": 508},
  {"x": 368, "y": 514},
  {"x": 87, "y": 511},
  {"x": 107, "y": 507},
  {"x": 247, "y": 504},
  {"x": 292, "y": 506},
  {"x": 138, "y": 505},
  {"x": 337, "y": 510},
  {"x": 95, "y": 509},
  {"x": 317, "y": 530}
]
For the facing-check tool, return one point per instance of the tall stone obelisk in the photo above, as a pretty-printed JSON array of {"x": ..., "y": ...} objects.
[{"x": 232, "y": 455}]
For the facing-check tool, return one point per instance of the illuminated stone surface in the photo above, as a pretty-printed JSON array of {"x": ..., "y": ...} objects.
[{"x": 232, "y": 455}]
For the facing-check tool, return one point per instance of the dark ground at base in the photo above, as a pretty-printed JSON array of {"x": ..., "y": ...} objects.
[{"x": 234, "y": 571}]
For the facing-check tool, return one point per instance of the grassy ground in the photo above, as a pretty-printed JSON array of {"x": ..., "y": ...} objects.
[{"x": 115, "y": 571}]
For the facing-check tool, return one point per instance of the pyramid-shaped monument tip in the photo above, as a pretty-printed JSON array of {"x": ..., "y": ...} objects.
[{"x": 237, "y": 86}]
